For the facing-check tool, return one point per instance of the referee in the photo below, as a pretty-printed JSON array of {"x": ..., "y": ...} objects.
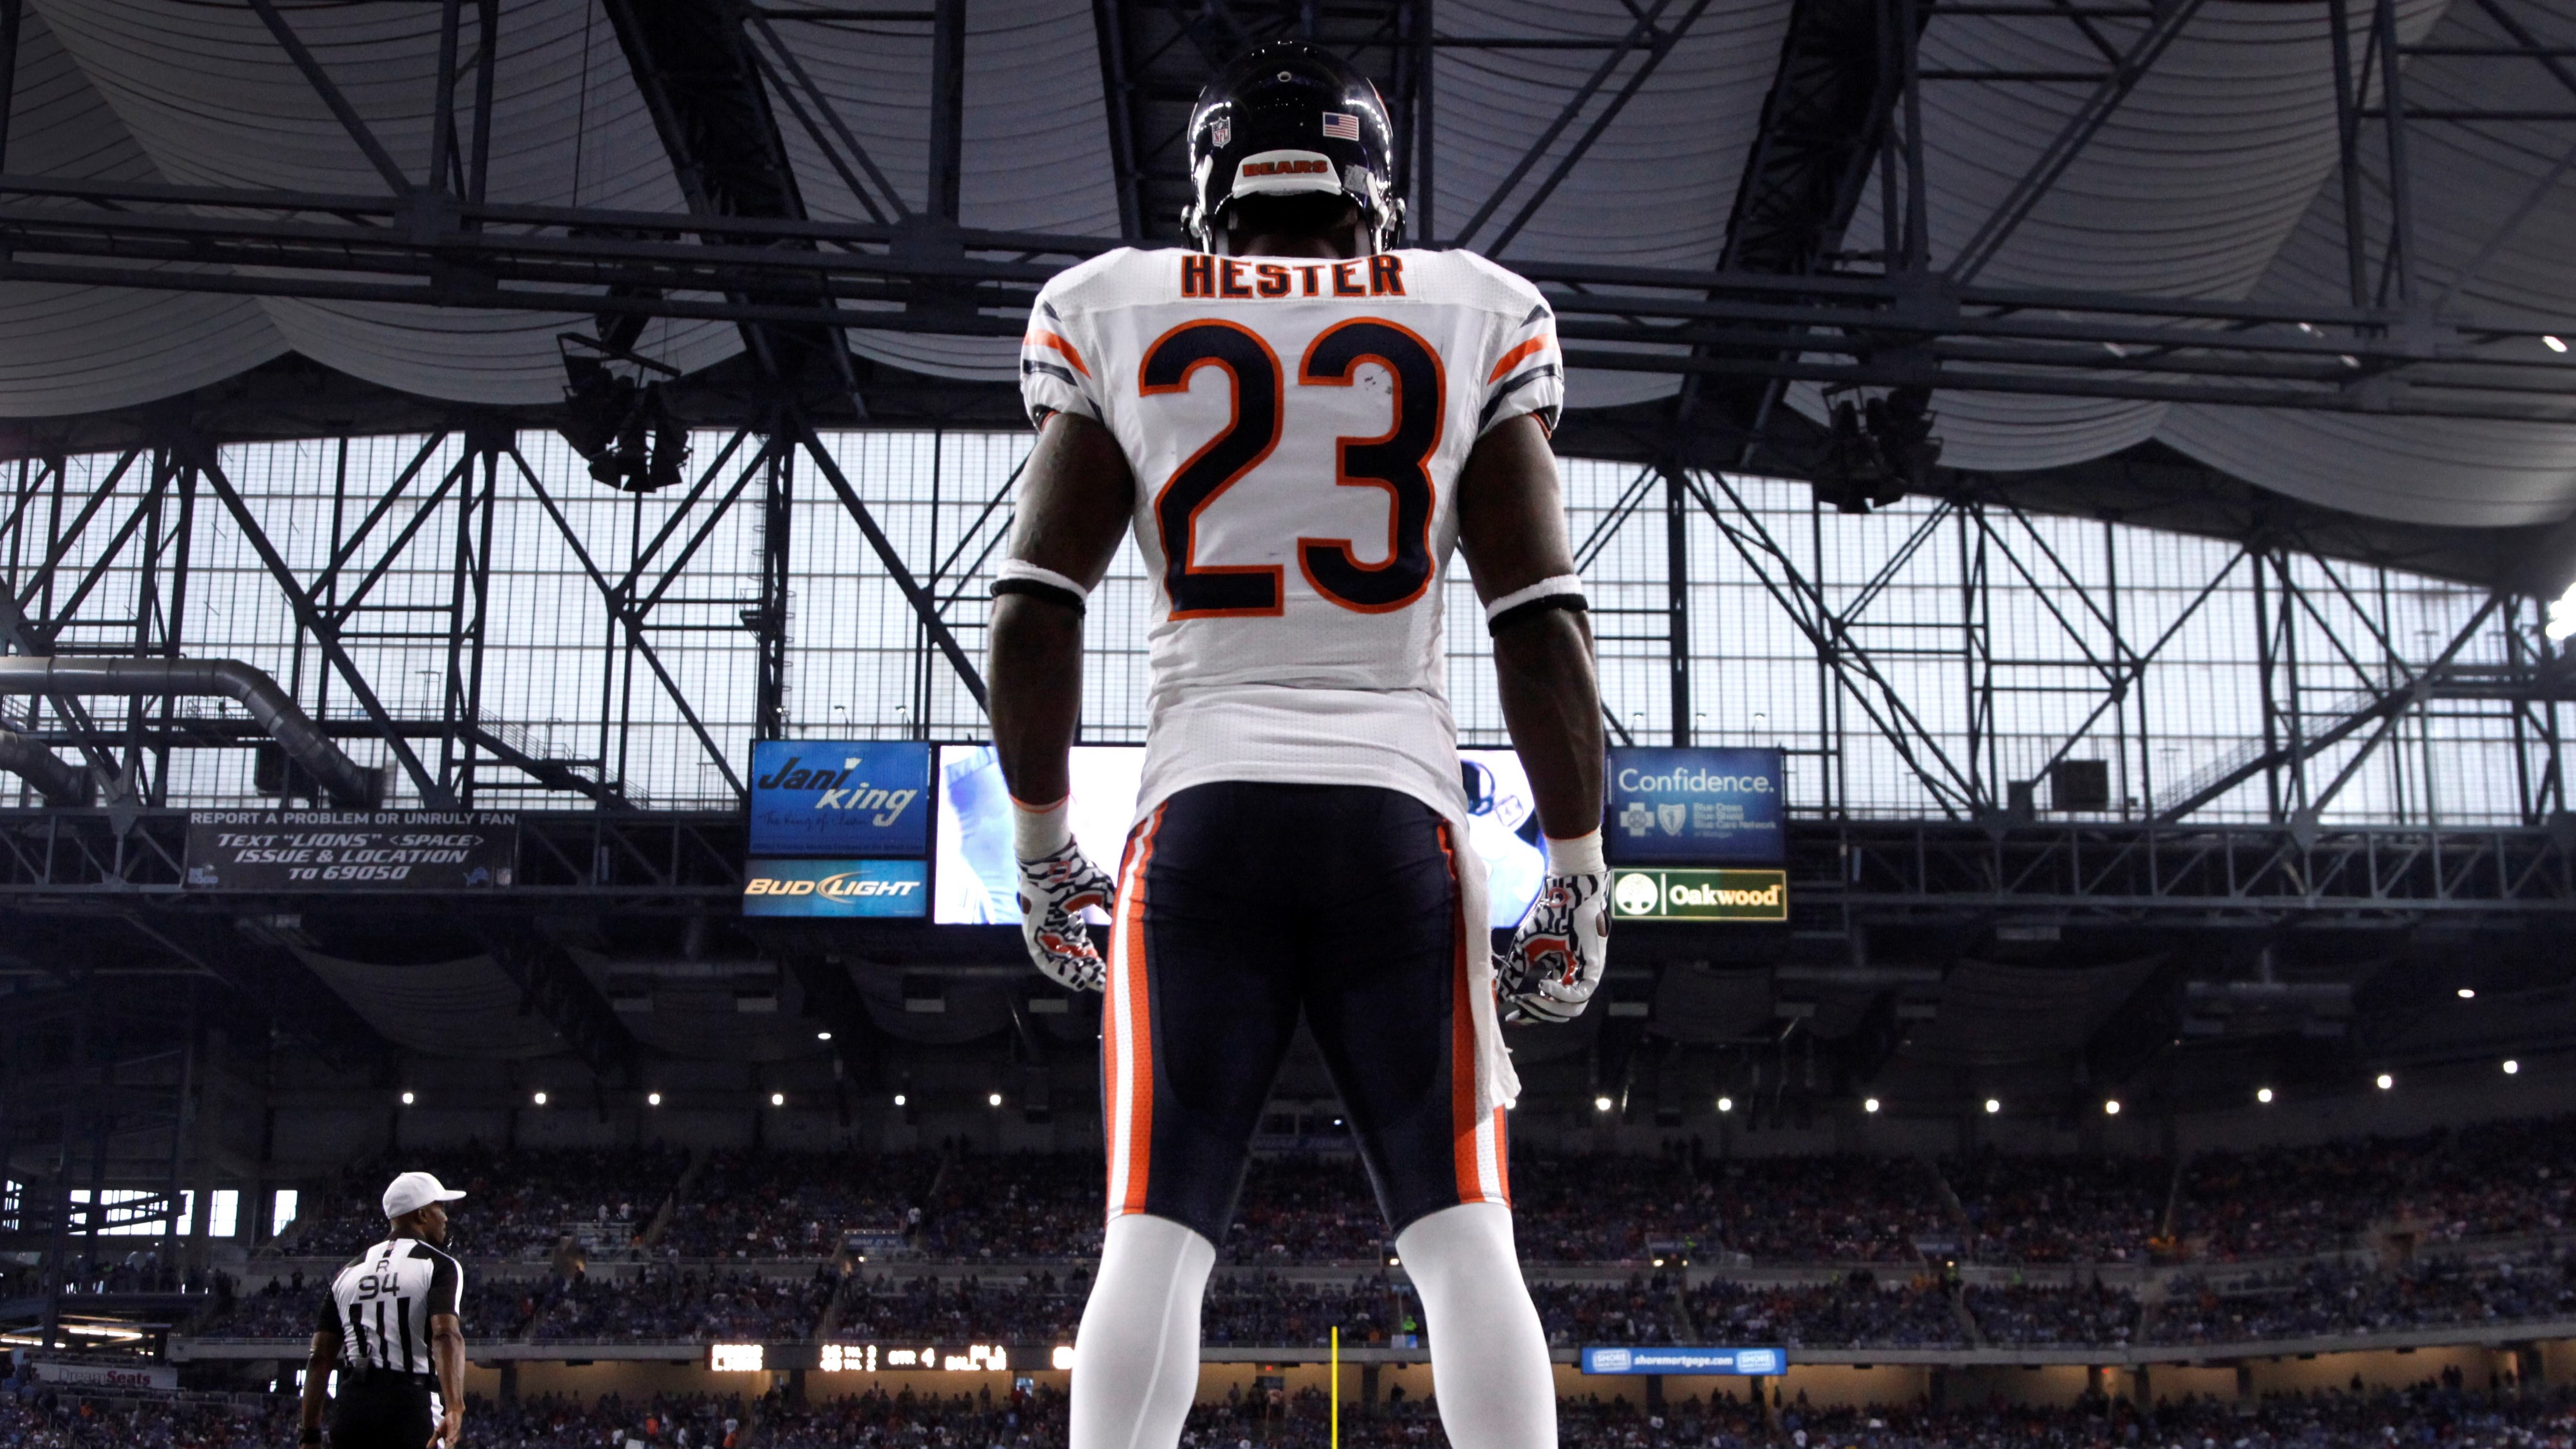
[{"x": 390, "y": 1328}]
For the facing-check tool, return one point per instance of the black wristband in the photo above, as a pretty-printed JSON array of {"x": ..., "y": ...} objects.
[
  {"x": 1039, "y": 589},
  {"x": 1535, "y": 607}
]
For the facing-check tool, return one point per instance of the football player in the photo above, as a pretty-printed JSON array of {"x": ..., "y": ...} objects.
[{"x": 1299, "y": 423}]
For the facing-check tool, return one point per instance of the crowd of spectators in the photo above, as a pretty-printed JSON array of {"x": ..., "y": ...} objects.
[
  {"x": 1641, "y": 1311},
  {"x": 1029, "y": 1207},
  {"x": 1844, "y": 1209},
  {"x": 43, "y": 1420},
  {"x": 795, "y": 1205},
  {"x": 2025, "y": 1315},
  {"x": 1856, "y": 1311},
  {"x": 517, "y": 1203},
  {"x": 676, "y": 1421},
  {"x": 2449, "y": 1413},
  {"x": 1249, "y": 1309},
  {"x": 2340, "y": 1298},
  {"x": 662, "y": 1304},
  {"x": 2494, "y": 1179},
  {"x": 2059, "y": 1209},
  {"x": 284, "y": 1308},
  {"x": 2487, "y": 1180},
  {"x": 1040, "y": 1309}
]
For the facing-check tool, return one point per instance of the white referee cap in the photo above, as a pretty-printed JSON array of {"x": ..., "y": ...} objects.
[{"x": 413, "y": 1191}]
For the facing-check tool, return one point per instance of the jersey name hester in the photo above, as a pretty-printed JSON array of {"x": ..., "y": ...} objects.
[{"x": 1208, "y": 276}]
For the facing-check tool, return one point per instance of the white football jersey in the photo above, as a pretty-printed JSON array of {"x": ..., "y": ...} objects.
[{"x": 1296, "y": 429}]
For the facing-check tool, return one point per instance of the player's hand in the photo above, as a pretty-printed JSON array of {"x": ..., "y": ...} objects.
[
  {"x": 1556, "y": 958},
  {"x": 1054, "y": 889}
]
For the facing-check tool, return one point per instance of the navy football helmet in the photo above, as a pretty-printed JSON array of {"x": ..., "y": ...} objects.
[{"x": 1291, "y": 118}]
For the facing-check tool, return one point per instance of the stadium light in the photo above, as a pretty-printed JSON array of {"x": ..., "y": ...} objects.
[
  {"x": 539, "y": 1099},
  {"x": 2386, "y": 1081},
  {"x": 2468, "y": 993},
  {"x": 652, "y": 1099},
  {"x": 778, "y": 1099},
  {"x": 1726, "y": 1104},
  {"x": 407, "y": 1099},
  {"x": 1993, "y": 1106},
  {"x": 993, "y": 1099},
  {"x": 2263, "y": 1095},
  {"x": 2553, "y": 344},
  {"x": 2111, "y": 1108},
  {"x": 822, "y": 1036},
  {"x": 2512, "y": 1067},
  {"x": 1869, "y": 1105},
  {"x": 898, "y": 1099},
  {"x": 1601, "y": 1104}
]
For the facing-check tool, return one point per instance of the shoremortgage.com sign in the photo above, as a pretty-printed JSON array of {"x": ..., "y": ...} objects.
[{"x": 1699, "y": 895}]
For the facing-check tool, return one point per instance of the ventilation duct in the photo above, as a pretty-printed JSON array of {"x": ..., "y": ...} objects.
[
  {"x": 347, "y": 783},
  {"x": 60, "y": 782}
]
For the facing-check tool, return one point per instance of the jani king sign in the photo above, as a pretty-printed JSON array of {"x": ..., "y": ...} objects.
[
  {"x": 1695, "y": 807},
  {"x": 836, "y": 797}
]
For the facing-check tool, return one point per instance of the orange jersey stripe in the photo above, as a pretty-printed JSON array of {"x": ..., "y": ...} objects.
[
  {"x": 1138, "y": 1009},
  {"x": 1462, "y": 1042},
  {"x": 1049, "y": 339},
  {"x": 1510, "y": 360}
]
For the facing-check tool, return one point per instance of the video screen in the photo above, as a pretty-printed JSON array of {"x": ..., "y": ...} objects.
[{"x": 975, "y": 880}]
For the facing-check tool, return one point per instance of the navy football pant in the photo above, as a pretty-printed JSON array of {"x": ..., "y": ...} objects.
[{"x": 1241, "y": 908}]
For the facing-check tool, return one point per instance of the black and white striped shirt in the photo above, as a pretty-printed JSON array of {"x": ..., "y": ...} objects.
[{"x": 381, "y": 1303}]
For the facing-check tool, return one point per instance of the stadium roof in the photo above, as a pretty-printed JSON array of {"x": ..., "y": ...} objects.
[{"x": 2194, "y": 168}]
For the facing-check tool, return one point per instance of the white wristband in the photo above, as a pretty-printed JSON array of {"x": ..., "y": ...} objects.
[
  {"x": 1038, "y": 831},
  {"x": 1543, "y": 589},
  {"x": 1578, "y": 856},
  {"x": 1013, "y": 568}
]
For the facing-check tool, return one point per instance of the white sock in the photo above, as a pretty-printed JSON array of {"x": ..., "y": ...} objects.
[
  {"x": 1136, "y": 1358},
  {"x": 1489, "y": 1362}
]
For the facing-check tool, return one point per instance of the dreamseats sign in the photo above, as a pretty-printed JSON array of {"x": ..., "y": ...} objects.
[
  {"x": 840, "y": 797},
  {"x": 1695, "y": 806}
]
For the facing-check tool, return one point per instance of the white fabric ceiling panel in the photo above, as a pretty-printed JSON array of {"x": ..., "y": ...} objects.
[
  {"x": 83, "y": 349},
  {"x": 1655, "y": 189},
  {"x": 1035, "y": 150},
  {"x": 213, "y": 100},
  {"x": 2494, "y": 206},
  {"x": 2188, "y": 190}
]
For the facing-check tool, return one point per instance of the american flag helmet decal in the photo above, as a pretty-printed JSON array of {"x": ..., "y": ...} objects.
[{"x": 1341, "y": 125}]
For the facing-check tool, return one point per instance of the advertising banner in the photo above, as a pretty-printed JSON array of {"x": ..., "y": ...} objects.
[
  {"x": 833, "y": 889},
  {"x": 360, "y": 850},
  {"x": 106, "y": 1375},
  {"x": 1699, "y": 895},
  {"x": 1695, "y": 807},
  {"x": 1685, "y": 1360},
  {"x": 840, "y": 797}
]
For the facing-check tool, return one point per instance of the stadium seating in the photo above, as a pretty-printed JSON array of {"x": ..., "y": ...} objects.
[
  {"x": 2482, "y": 1181},
  {"x": 2450, "y": 1413}
]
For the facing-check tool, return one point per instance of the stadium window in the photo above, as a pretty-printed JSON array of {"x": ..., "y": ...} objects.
[
  {"x": 223, "y": 1218},
  {"x": 281, "y": 1210}
]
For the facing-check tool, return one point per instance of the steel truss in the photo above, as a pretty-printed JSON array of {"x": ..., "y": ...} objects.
[
  {"x": 1890, "y": 317},
  {"x": 423, "y": 517}
]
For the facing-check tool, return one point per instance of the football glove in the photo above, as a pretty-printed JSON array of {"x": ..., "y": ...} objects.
[
  {"x": 1556, "y": 958},
  {"x": 1054, "y": 889}
]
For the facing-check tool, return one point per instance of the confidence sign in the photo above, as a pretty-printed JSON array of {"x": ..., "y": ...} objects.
[{"x": 351, "y": 850}]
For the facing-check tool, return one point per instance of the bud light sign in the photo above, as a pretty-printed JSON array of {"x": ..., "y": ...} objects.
[
  {"x": 1695, "y": 807},
  {"x": 834, "y": 797},
  {"x": 831, "y": 888}
]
